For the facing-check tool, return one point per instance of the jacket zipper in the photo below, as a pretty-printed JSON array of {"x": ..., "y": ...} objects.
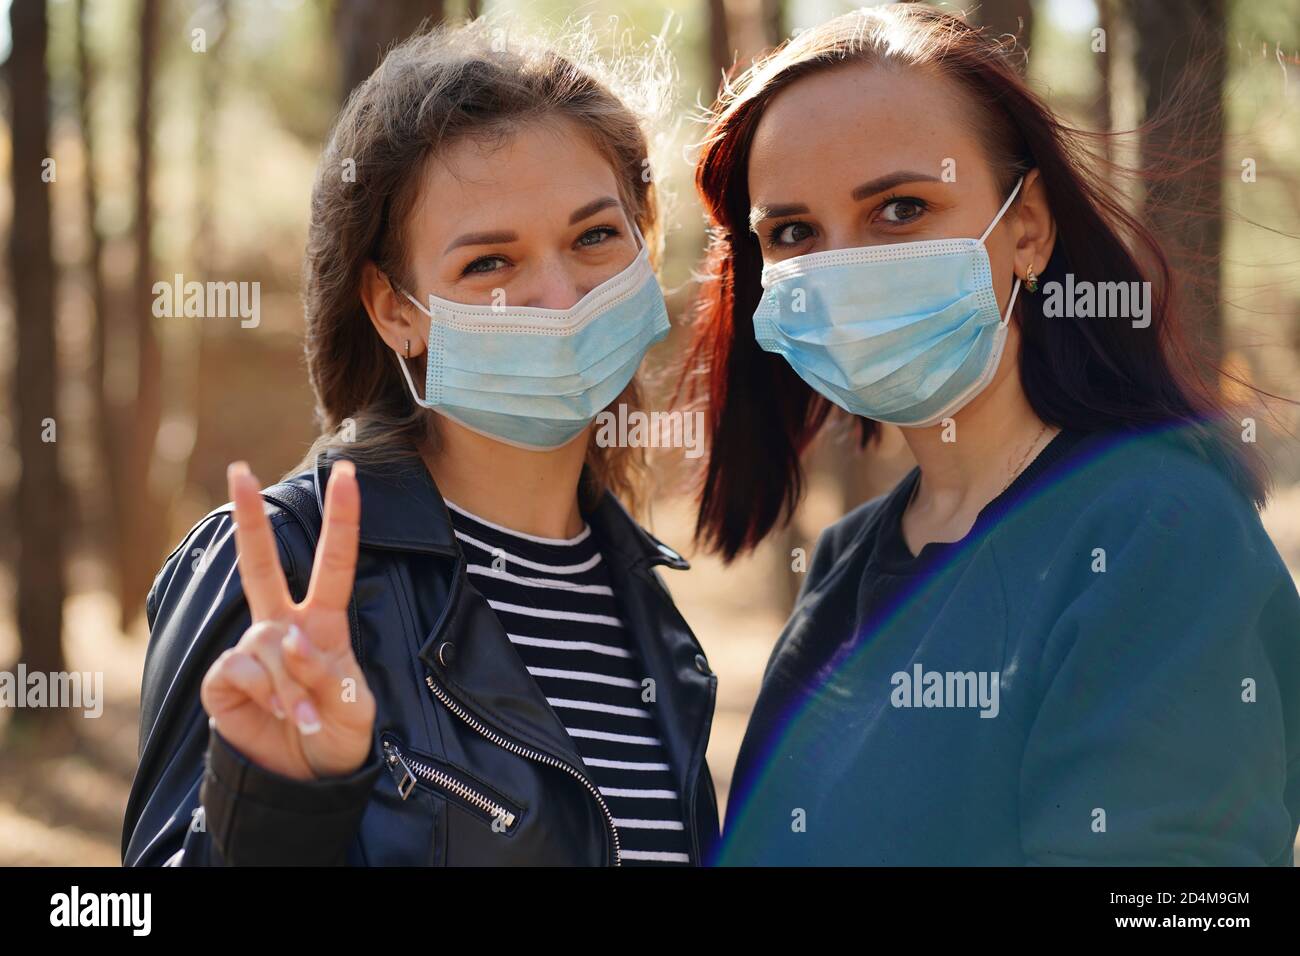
[
  {"x": 533, "y": 755},
  {"x": 407, "y": 769}
]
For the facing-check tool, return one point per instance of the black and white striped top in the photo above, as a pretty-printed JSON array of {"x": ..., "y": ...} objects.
[{"x": 553, "y": 597}]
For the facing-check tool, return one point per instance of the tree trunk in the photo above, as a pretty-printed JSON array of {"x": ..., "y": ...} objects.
[
  {"x": 39, "y": 502},
  {"x": 206, "y": 250},
  {"x": 1008, "y": 16},
  {"x": 1105, "y": 119},
  {"x": 721, "y": 54},
  {"x": 1181, "y": 59},
  {"x": 367, "y": 28},
  {"x": 144, "y": 523},
  {"x": 107, "y": 517},
  {"x": 774, "y": 23}
]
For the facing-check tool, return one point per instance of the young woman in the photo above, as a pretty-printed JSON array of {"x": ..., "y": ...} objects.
[
  {"x": 478, "y": 663},
  {"x": 1064, "y": 638}
]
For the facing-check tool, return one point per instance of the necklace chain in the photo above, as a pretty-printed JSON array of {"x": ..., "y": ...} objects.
[{"x": 1015, "y": 472}]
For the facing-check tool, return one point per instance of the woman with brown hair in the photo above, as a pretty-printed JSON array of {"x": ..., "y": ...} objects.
[
  {"x": 478, "y": 664},
  {"x": 1065, "y": 636}
]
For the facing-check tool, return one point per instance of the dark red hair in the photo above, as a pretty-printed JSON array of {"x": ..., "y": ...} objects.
[{"x": 1076, "y": 373}]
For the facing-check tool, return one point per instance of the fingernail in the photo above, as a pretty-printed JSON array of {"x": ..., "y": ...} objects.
[
  {"x": 306, "y": 717},
  {"x": 277, "y": 708},
  {"x": 295, "y": 641},
  {"x": 238, "y": 471}
]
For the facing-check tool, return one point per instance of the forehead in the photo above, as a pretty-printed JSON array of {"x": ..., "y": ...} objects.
[
  {"x": 860, "y": 122},
  {"x": 538, "y": 171}
]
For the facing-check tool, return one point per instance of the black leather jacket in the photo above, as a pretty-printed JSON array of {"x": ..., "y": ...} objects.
[{"x": 469, "y": 765}]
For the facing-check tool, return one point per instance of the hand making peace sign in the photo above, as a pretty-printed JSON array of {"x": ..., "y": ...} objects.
[{"x": 290, "y": 695}]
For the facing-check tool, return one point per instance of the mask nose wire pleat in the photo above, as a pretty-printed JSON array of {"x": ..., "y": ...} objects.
[
  {"x": 406, "y": 372},
  {"x": 641, "y": 248}
]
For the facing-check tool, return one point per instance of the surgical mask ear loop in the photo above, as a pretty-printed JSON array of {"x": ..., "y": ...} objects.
[
  {"x": 410, "y": 382},
  {"x": 1015, "y": 287},
  {"x": 998, "y": 218},
  {"x": 1011, "y": 302}
]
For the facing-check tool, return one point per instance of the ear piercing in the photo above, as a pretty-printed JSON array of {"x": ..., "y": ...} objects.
[
  {"x": 408, "y": 348},
  {"x": 1031, "y": 280}
]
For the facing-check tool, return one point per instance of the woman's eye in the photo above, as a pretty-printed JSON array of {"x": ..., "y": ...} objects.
[
  {"x": 902, "y": 210},
  {"x": 596, "y": 235},
  {"x": 484, "y": 264},
  {"x": 790, "y": 234}
]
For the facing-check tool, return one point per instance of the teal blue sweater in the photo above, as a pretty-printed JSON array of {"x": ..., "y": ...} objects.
[{"x": 1106, "y": 670}]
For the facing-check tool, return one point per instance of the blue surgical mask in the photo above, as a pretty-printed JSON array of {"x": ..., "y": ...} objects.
[
  {"x": 905, "y": 333},
  {"x": 532, "y": 377}
]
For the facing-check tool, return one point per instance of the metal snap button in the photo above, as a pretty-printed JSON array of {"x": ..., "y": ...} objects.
[{"x": 446, "y": 653}]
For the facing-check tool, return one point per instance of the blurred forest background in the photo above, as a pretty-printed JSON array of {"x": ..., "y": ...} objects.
[{"x": 146, "y": 138}]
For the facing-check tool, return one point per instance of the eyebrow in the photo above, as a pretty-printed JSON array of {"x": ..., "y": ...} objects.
[
  {"x": 870, "y": 188},
  {"x": 481, "y": 239},
  {"x": 758, "y": 213},
  {"x": 593, "y": 207},
  {"x": 504, "y": 236},
  {"x": 889, "y": 181}
]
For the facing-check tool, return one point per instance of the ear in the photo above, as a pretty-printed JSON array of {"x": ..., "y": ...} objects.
[
  {"x": 1037, "y": 227},
  {"x": 393, "y": 315}
]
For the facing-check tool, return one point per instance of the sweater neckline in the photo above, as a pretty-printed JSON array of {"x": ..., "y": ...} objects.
[
  {"x": 892, "y": 552},
  {"x": 459, "y": 511}
]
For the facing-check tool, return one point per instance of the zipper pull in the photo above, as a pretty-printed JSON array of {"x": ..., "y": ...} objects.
[
  {"x": 401, "y": 772},
  {"x": 503, "y": 820}
]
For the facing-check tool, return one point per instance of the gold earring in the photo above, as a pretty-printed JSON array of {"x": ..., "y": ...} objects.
[
  {"x": 1031, "y": 280},
  {"x": 408, "y": 348}
]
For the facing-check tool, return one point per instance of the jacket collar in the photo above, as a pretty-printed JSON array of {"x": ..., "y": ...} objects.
[
  {"x": 403, "y": 510},
  {"x": 636, "y": 545}
]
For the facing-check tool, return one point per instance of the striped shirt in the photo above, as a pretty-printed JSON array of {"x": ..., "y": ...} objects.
[{"x": 553, "y": 597}]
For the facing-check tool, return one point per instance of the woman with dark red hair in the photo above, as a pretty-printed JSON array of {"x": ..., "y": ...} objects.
[{"x": 1065, "y": 636}]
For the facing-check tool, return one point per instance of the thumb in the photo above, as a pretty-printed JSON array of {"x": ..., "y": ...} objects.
[{"x": 309, "y": 665}]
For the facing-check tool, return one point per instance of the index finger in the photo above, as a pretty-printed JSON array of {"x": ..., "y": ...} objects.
[
  {"x": 259, "y": 558},
  {"x": 336, "y": 558}
]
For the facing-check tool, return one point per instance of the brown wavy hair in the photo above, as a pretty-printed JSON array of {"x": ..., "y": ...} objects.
[
  {"x": 1076, "y": 374},
  {"x": 432, "y": 90}
]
